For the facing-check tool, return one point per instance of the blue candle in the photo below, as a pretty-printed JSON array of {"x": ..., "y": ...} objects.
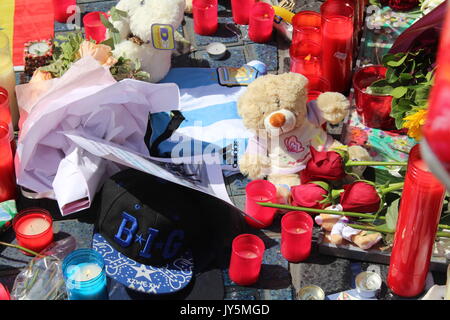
[{"x": 84, "y": 275}]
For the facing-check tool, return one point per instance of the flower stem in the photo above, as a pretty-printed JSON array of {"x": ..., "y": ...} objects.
[
  {"x": 393, "y": 187},
  {"x": 311, "y": 210},
  {"x": 439, "y": 234},
  {"x": 340, "y": 213},
  {"x": 375, "y": 163},
  {"x": 22, "y": 248}
]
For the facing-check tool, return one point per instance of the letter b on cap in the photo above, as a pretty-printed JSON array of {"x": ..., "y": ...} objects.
[{"x": 124, "y": 231}]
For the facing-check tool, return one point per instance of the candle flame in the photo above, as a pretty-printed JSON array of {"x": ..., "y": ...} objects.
[{"x": 308, "y": 57}]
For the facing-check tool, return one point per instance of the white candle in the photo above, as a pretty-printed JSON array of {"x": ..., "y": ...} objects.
[
  {"x": 33, "y": 226},
  {"x": 86, "y": 271}
]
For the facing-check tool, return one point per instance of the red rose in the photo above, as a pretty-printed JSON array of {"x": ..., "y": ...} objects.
[
  {"x": 360, "y": 197},
  {"x": 325, "y": 165},
  {"x": 309, "y": 195}
]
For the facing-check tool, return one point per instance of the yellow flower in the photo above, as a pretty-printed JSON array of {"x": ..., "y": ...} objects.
[
  {"x": 414, "y": 123},
  {"x": 100, "y": 52}
]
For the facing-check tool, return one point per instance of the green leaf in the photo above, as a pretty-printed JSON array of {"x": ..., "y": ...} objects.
[
  {"x": 106, "y": 22},
  {"x": 399, "y": 92},
  {"x": 392, "y": 215},
  {"x": 394, "y": 63},
  {"x": 117, "y": 14}
]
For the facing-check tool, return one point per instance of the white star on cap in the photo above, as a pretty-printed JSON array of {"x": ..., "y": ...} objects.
[{"x": 142, "y": 271}]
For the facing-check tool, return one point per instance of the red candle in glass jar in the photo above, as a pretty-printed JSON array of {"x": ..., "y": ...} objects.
[
  {"x": 306, "y": 26},
  {"x": 247, "y": 251},
  {"x": 260, "y": 191},
  {"x": 337, "y": 44},
  {"x": 34, "y": 229},
  {"x": 420, "y": 210},
  {"x": 5, "y": 116},
  {"x": 93, "y": 26},
  {"x": 205, "y": 14},
  {"x": 375, "y": 110},
  {"x": 62, "y": 10},
  {"x": 4, "y": 293},
  {"x": 7, "y": 175},
  {"x": 296, "y": 235},
  {"x": 261, "y": 22},
  {"x": 316, "y": 86},
  {"x": 305, "y": 58},
  {"x": 240, "y": 10}
]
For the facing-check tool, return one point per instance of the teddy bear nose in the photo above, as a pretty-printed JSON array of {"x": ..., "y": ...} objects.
[{"x": 277, "y": 120}]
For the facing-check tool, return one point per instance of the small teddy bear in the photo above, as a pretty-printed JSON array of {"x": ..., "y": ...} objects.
[
  {"x": 275, "y": 107},
  {"x": 137, "y": 33}
]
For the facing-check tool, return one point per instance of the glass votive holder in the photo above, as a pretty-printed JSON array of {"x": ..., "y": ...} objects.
[
  {"x": 374, "y": 109},
  {"x": 306, "y": 26},
  {"x": 296, "y": 235},
  {"x": 305, "y": 58},
  {"x": 247, "y": 251},
  {"x": 62, "y": 9},
  {"x": 4, "y": 293},
  {"x": 34, "y": 229},
  {"x": 93, "y": 26},
  {"x": 8, "y": 186},
  {"x": 240, "y": 10},
  {"x": 84, "y": 275},
  {"x": 205, "y": 13},
  {"x": 260, "y": 191},
  {"x": 316, "y": 86},
  {"x": 261, "y": 22}
]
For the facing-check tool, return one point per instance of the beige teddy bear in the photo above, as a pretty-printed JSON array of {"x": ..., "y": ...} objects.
[{"x": 275, "y": 107}]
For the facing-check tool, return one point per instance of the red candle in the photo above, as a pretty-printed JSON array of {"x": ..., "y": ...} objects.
[
  {"x": 241, "y": 10},
  {"x": 205, "y": 14},
  {"x": 418, "y": 218},
  {"x": 296, "y": 235},
  {"x": 33, "y": 228},
  {"x": 436, "y": 130},
  {"x": 374, "y": 110},
  {"x": 306, "y": 26},
  {"x": 260, "y": 191},
  {"x": 93, "y": 26},
  {"x": 247, "y": 251},
  {"x": 4, "y": 293},
  {"x": 261, "y": 22},
  {"x": 305, "y": 58},
  {"x": 316, "y": 86},
  {"x": 62, "y": 10},
  {"x": 7, "y": 175},
  {"x": 337, "y": 44}
]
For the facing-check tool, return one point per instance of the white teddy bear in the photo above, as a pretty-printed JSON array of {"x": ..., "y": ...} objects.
[{"x": 136, "y": 32}]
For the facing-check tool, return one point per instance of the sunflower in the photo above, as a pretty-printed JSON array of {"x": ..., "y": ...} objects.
[{"x": 414, "y": 123}]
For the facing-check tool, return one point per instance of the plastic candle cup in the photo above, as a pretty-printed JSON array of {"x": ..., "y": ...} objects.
[
  {"x": 7, "y": 175},
  {"x": 306, "y": 26},
  {"x": 205, "y": 14},
  {"x": 418, "y": 218},
  {"x": 247, "y": 251},
  {"x": 8, "y": 77},
  {"x": 261, "y": 22},
  {"x": 93, "y": 26},
  {"x": 34, "y": 229},
  {"x": 4, "y": 293},
  {"x": 305, "y": 58},
  {"x": 296, "y": 235},
  {"x": 374, "y": 110},
  {"x": 241, "y": 10},
  {"x": 337, "y": 44},
  {"x": 84, "y": 275},
  {"x": 62, "y": 9},
  {"x": 260, "y": 191},
  {"x": 5, "y": 116},
  {"x": 316, "y": 86}
]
